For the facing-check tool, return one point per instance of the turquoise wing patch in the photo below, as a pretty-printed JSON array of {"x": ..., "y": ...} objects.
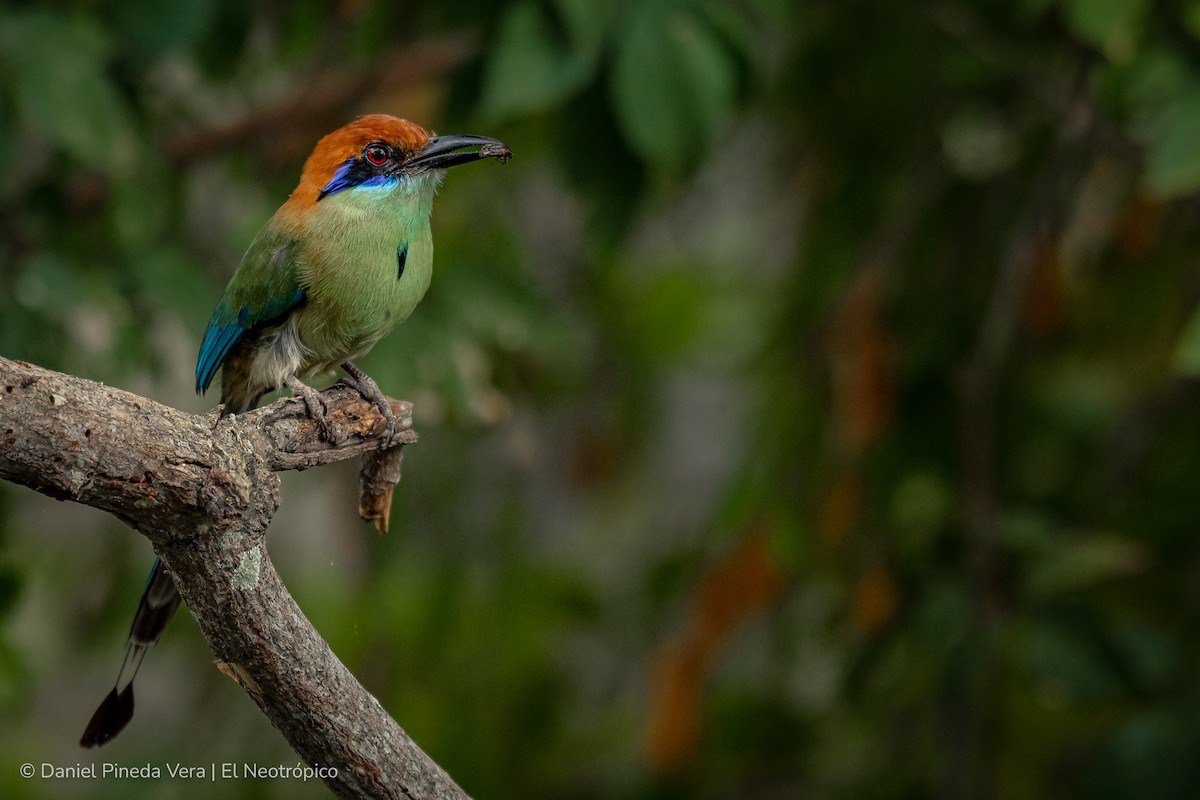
[{"x": 262, "y": 291}]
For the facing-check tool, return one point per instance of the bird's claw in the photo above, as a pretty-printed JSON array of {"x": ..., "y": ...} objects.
[
  {"x": 324, "y": 429},
  {"x": 366, "y": 386},
  {"x": 390, "y": 425},
  {"x": 317, "y": 409}
]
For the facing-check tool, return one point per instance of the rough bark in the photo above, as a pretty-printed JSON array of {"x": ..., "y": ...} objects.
[{"x": 203, "y": 491}]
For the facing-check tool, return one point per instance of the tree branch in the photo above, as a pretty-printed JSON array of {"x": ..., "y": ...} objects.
[{"x": 204, "y": 490}]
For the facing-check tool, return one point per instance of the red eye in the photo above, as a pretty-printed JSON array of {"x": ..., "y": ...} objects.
[{"x": 377, "y": 154}]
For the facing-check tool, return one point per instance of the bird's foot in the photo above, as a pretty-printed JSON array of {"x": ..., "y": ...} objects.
[
  {"x": 315, "y": 405},
  {"x": 366, "y": 386}
]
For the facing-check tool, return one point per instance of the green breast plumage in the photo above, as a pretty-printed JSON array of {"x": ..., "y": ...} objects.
[{"x": 364, "y": 268}]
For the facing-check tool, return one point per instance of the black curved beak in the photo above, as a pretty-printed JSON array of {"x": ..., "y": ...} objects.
[{"x": 441, "y": 152}]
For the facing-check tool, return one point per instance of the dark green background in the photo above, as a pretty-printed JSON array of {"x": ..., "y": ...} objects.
[{"x": 809, "y": 409}]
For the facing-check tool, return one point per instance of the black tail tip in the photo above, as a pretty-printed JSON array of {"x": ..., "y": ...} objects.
[{"x": 110, "y": 718}]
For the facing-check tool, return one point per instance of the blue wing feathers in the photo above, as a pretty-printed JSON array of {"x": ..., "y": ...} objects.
[
  {"x": 218, "y": 339},
  {"x": 278, "y": 308},
  {"x": 225, "y": 328}
]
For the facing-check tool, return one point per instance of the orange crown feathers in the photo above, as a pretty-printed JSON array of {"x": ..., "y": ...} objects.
[{"x": 347, "y": 142}]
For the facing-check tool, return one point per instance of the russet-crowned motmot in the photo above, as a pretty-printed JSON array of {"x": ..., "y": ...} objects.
[{"x": 339, "y": 265}]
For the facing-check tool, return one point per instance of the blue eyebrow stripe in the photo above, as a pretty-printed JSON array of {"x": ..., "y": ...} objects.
[
  {"x": 343, "y": 178},
  {"x": 355, "y": 174}
]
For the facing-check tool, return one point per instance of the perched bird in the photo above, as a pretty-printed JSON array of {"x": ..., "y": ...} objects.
[{"x": 338, "y": 266}]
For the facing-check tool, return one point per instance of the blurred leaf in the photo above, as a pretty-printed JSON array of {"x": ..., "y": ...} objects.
[
  {"x": 1160, "y": 91},
  {"x": 1150, "y": 82},
  {"x": 742, "y": 585},
  {"x": 673, "y": 83},
  {"x": 1112, "y": 25},
  {"x": 730, "y": 23},
  {"x": 587, "y": 22},
  {"x": 1191, "y": 17},
  {"x": 530, "y": 68},
  {"x": 1084, "y": 561},
  {"x": 677, "y": 682},
  {"x": 861, "y": 354},
  {"x": 1173, "y": 160}
]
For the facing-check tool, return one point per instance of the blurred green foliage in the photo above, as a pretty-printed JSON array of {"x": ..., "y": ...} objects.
[{"x": 808, "y": 409}]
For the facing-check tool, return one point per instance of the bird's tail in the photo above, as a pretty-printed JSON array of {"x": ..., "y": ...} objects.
[
  {"x": 159, "y": 601},
  {"x": 239, "y": 392}
]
